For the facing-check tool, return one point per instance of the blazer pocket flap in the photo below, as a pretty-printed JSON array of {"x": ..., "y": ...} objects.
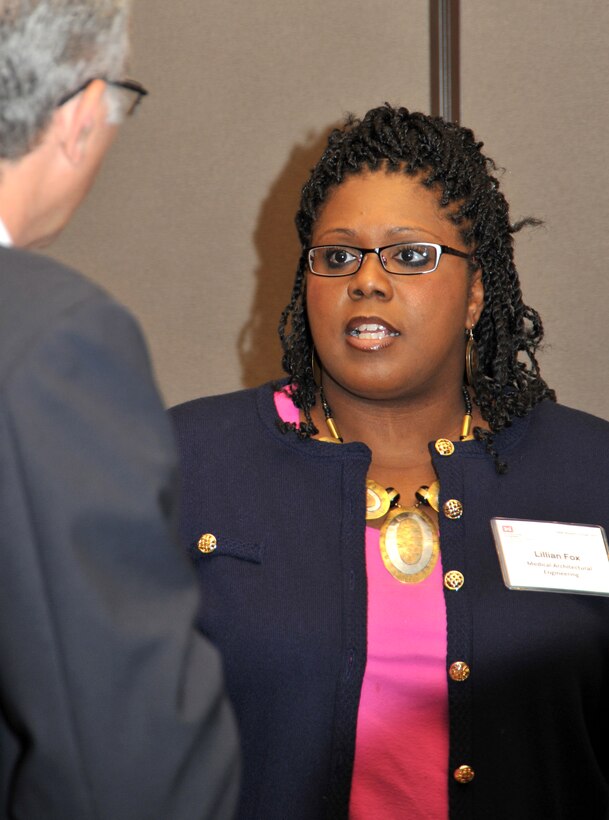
[{"x": 215, "y": 545}]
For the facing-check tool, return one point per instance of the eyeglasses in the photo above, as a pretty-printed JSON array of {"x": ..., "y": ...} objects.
[
  {"x": 136, "y": 91},
  {"x": 403, "y": 258}
]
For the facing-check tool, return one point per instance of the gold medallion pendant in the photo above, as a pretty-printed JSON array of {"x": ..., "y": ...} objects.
[{"x": 409, "y": 544}]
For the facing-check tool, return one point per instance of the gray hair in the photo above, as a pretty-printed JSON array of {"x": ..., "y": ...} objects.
[{"x": 48, "y": 49}]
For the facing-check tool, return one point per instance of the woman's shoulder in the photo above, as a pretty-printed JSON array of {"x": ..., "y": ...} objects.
[
  {"x": 560, "y": 438},
  {"x": 210, "y": 404},
  {"x": 559, "y": 419},
  {"x": 215, "y": 413}
]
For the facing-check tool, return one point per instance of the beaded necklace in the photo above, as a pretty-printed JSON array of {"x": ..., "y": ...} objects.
[{"x": 409, "y": 539}]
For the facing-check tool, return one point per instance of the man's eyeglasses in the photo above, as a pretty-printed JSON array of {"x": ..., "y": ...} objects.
[
  {"x": 135, "y": 90},
  {"x": 403, "y": 258}
]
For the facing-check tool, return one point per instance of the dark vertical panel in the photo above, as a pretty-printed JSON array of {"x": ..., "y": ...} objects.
[{"x": 444, "y": 53}]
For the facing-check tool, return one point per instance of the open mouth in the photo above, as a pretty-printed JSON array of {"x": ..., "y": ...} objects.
[{"x": 359, "y": 329}]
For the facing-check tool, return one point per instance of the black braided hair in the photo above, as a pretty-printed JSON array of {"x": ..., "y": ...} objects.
[{"x": 508, "y": 334}]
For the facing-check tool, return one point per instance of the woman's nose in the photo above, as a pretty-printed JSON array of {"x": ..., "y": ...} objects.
[{"x": 370, "y": 280}]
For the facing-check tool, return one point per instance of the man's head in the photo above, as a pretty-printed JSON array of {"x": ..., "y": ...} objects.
[
  {"x": 58, "y": 106},
  {"x": 48, "y": 49}
]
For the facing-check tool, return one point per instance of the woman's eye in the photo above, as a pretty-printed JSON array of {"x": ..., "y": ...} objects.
[
  {"x": 413, "y": 256},
  {"x": 338, "y": 257}
]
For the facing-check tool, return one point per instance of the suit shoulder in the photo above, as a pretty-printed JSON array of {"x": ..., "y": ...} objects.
[
  {"x": 40, "y": 295},
  {"x": 36, "y": 289},
  {"x": 32, "y": 277}
]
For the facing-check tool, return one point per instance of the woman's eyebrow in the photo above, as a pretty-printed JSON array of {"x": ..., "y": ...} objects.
[
  {"x": 394, "y": 231},
  {"x": 344, "y": 231}
]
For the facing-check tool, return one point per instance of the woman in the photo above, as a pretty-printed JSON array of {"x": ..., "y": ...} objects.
[{"x": 379, "y": 665}]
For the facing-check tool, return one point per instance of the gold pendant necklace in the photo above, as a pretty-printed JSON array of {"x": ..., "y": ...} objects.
[
  {"x": 409, "y": 540},
  {"x": 409, "y": 544}
]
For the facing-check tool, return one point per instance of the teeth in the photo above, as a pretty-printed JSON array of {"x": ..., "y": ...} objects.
[
  {"x": 369, "y": 335},
  {"x": 371, "y": 331}
]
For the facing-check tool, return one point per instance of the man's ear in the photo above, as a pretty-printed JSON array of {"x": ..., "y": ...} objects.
[{"x": 78, "y": 118}]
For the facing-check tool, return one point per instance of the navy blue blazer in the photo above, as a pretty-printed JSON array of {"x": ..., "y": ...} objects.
[{"x": 284, "y": 597}]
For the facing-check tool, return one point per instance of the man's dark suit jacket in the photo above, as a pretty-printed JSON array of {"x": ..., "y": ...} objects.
[{"x": 110, "y": 705}]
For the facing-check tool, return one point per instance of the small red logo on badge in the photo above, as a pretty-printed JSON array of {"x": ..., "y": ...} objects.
[{"x": 507, "y": 528}]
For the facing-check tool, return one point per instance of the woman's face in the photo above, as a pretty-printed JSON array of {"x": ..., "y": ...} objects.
[{"x": 380, "y": 335}]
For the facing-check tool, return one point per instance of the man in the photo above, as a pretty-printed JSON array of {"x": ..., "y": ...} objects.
[{"x": 110, "y": 705}]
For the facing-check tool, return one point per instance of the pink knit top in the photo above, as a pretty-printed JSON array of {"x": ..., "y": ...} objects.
[{"x": 401, "y": 747}]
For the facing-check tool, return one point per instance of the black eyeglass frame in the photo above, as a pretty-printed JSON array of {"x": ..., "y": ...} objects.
[
  {"x": 126, "y": 85},
  {"x": 440, "y": 249}
]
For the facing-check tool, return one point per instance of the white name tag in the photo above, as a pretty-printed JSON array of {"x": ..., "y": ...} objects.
[{"x": 552, "y": 557}]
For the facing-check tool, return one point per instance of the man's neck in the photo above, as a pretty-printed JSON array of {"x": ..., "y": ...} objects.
[
  {"x": 16, "y": 195},
  {"x": 27, "y": 196}
]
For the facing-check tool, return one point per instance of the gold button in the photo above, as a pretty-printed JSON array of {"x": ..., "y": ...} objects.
[
  {"x": 454, "y": 580},
  {"x": 453, "y": 509},
  {"x": 207, "y": 543},
  {"x": 445, "y": 447},
  {"x": 464, "y": 774},
  {"x": 459, "y": 671}
]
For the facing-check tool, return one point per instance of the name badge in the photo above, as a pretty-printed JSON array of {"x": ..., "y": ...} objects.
[{"x": 548, "y": 556}]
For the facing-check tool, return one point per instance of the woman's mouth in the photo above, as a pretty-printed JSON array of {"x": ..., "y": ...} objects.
[
  {"x": 370, "y": 327},
  {"x": 370, "y": 333},
  {"x": 372, "y": 330}
]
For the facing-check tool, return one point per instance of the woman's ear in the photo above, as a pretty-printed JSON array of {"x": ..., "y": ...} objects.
[{"x": 475, "y": 304}]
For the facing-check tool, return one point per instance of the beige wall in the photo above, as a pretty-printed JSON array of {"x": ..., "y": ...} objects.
[
  {"x": 534, "y": 81},
  {"x": 191, "y": 221}
]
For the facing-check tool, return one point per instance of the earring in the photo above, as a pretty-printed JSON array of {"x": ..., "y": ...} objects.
[
  {"x": 471, "y": 358},
  {"x": 315, "y": 368}
]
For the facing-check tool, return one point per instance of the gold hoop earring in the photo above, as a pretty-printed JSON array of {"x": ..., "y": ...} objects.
[{"x": 471, "y": 358}]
